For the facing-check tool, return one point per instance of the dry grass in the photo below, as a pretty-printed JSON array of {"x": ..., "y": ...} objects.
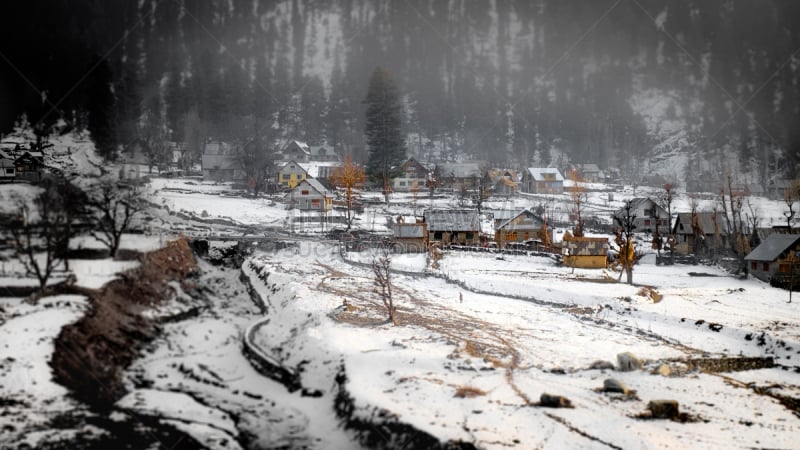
[
  {"x": 650, "y": 292},
  {"x": 469, "y": 392}
]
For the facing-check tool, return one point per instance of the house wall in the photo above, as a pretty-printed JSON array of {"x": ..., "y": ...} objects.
[
  {"x": 455, "y": 237},
  {"x": 291, "y": 179},
  {"x": 586, "y": 261}
]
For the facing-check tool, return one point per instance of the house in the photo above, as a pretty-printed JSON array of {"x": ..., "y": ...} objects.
[
  {"x": 296, "y": 151},
  {"x": 654, "y": 180},
  {"x": 523, "y": 226},
  {"x": 546, "y": 180},
  {"x": 324, "y": 153},
  {"x": 29, "y": 166},
  {"x": 460, "y": 227},
  {"x": 220, "y": 164},
  {"x": 501, "y": 181},
  {"x": 310, "y": 195},
  {"x": 585, "y": 252},
  {"x": 589, "y": 173},
  {"x": 291, "y": 174},
  {"x": 410, "y": 237},
  {"x": 707, "y": 232},
  {"x": 458, "y": 176},
  {"x": 773, "y": 259},
  {"x": 413, "y": 176},
  {"x": 7, "y": 169},
  {"x": 646, "y": 210},
  {"x": 777, "y": 188}
]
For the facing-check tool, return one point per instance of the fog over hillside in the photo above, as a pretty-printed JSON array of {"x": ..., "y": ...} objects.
[{"x": 621, "y": 83}]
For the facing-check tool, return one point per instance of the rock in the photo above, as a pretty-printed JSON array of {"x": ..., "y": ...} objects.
[
  {"x": 554, "y": 401},
  {"x": 628, "y": 362},
  {"x": 601, "y": 365},
  {"x": 613, "y": 385},
  {"x": 663, "y": 409},
  {"x": 664, "y": 370}
]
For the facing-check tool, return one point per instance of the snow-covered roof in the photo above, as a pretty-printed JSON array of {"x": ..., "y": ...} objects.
[
  {"x": 461, "y": 170},
  {"x": 533, "y": 222},
  {"x": 542, "y": 173},
  {"x": 452, "y": 220},
  {"x": 705, "y": 220},
  {"x": 409, "y": 230},
  {"x": 315, "y": 184},
  {"x": 772, "y": 247},
  {"x": 218, "y": 162},
  {"x": 313, "y": 168}
]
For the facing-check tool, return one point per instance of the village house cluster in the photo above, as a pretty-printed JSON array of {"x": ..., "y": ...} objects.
[{"x": 303, "y": 173}]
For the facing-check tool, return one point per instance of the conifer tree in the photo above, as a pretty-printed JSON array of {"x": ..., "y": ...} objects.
[{"x": 383, "y": 129}]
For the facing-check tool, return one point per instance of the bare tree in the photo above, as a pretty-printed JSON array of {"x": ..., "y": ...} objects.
[
  {"x": 578, "y": 202},
  {"x": 732, "y": 209},
  {"x": 752, "y": 217},
  {"x": 627, "y": 256},
  {"x": 666, "y": 202},
  {"x": 350, "y": 175},
  {"x": 381, "y": 267},
  {"x": 789, "y": 199},
  {"x": 115, "y": 205},
  {"x": 41, "y": 235}
]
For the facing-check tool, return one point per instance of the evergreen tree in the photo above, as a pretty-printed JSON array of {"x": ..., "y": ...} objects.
[{"x": 383, "y": 129}]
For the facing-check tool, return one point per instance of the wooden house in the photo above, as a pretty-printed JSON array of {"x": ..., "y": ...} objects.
[
  {"x": 460, "y": 227},
  {"x": 458, "y": 176},
  {"x": 291, "y": 174},
  {"x": 648, "y": 215},
  {"x": 585, "y": 252},
  {"x": 501, "y": 181},
  {"x": 700, "y": 233},
  {"x": 774, "y": 257},
  {"x": 546, "y": 180},
  {"x": 523, "y": 226},
  {"x": 410, "y": 237},
  {"x": 589, "y": 172},
  {"x": 296, "y": 151},
  {"x": 310, "y": 195},
  {"x": 220, "y": 164},
  {"x": 29, "y": 166},
  {"x": 413, "y": 176},
  {"x": 324, "y": 153},
  {"x": 7, "y": 169}
]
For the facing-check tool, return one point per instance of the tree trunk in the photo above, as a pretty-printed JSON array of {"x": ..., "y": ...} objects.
[{"x": 629, "y": 275}]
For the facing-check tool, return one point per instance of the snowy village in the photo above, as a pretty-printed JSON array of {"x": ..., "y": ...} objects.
[{"x": 217, "y": 251}]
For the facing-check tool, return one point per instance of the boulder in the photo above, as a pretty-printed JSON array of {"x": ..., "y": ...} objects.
[
  {"x": 601, "y": 365},
  {"x": 664, "y": 409},
  {"x": 664, "y": 370},
  {"x": 628, "y": 362},
  {"x": 554, "y": 401},
  {"x": 613, "y": 385}
]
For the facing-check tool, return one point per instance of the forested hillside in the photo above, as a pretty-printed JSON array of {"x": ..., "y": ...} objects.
[{"x": 616, "y": 82}]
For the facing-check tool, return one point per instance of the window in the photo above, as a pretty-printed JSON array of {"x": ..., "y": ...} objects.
[
  {"x": 304, "y": 192},
  {"x": 647, "y": 222},
  {"x": 9, "y": 171},
  {"x": 783, "y": 268},
  {"x": 315, "y": 202},
  {"x": 753, "y": 266},
  {"x": 766, "y": 267},
  {"x": 402, "y": 183}
]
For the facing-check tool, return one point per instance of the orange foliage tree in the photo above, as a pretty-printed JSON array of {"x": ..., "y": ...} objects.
[{"x": 350, "y": 175}]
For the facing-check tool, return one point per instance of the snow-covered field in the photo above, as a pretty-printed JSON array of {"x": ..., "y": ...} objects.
[{"x": 508, "y": 351}]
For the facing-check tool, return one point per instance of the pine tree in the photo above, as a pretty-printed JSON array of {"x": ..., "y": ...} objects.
[{"x": 383, "y": 129}]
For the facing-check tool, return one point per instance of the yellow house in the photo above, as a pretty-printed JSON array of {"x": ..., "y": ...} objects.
[
  {"x": 291, "y": 174},
  {"x": 585, "y": 252}
]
